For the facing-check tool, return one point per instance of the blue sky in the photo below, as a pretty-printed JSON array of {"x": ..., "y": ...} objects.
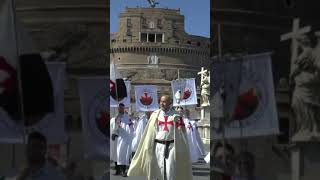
[{"x": 196, "y": 12}]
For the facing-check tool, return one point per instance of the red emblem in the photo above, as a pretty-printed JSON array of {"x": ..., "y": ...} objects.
[
  {"x": 186, "y": 93},
  {"x": 146, "y": 99},
  {"x": 246, "y": 105}
]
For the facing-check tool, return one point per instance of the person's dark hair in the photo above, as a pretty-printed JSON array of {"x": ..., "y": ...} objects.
[
  {"x": 121, "y": 105},
  {"x": 179, "y": 107},
  {"x": 37, "y": 135},
  {"x": 219, "y": 145}
]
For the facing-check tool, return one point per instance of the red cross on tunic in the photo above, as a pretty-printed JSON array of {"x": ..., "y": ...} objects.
[
  {"x": 190, "y": 126},
  {"x": 179, "y": 123},
  {"x": 166, "y": 123}
]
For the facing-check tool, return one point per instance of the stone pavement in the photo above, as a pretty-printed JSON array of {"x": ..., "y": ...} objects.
[{"x": 201, "y": 171}]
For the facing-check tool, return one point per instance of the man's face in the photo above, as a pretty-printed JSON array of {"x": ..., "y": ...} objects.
[
  {"x": 180, "y": 111},
  {"x": 36, "y": 150},
  {"x": 228, "y": 155},
  {"x": 121, "y": 109},
  {"x": 165, "y": 103}
]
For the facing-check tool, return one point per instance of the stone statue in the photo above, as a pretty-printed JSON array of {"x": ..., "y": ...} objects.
[
  {"x": 153, "y": 3},
  {"x": 205, "y": 89},
  {"x": 306, "y": 93}
]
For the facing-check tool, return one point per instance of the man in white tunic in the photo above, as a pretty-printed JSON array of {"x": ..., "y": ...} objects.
[
  {"x": 140, "y": 126},
  {"x": 163, "y": 152},
  {"x": 122, "y": 132},
  {"x": 195, "y": 151}
]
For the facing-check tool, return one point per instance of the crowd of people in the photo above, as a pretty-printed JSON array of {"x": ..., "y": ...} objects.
[
  {"x": 161, "y": 144},
  {"x": 40, "y": 166},
  {"x": 229, "y": 165}
]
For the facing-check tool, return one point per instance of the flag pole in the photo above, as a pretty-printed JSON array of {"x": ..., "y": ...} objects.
[{"x": 17, "y": 53}]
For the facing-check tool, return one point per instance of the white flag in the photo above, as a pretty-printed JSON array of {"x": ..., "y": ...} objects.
[
  {"x": 226, "y": 81},
  {"x": 94, "y": 101},
  {"x": 255, "y": 110},
  {"x": 146, "y": 98},
  {"x": 184, "y": 92}
]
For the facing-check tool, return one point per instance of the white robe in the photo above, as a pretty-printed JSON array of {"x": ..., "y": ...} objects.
[
  {"x": 124, "y": 130},
  {"x": 198, "y": 141},
  {"x": 207, "y": 158},
  {"x": 113, "y": 144},
  {"x": 139, "y": 128},
  {"x": 194, "y": 151}
]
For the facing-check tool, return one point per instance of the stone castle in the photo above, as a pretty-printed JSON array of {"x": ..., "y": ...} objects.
[{"x": 152, "y": 47}]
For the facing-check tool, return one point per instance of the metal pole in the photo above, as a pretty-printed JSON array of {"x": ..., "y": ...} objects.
[
  {"x": 16, "y": 40},
  {"x": 219, "y": 42}
]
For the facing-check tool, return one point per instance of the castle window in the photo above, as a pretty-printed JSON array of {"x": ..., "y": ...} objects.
[
  {"x": 151, "y": 38},
  {"x": 174, "y": 25},
  {"x": 198, "y": 43},
  {"x": 113, "y": 40},
  {"x": 129, "y": 22},
  {"x": 159, "y": 23},
  {"x": 188, "y": 42},
  {"x": 129, "y": 32},
  {"x": 143, "y": 22},
  {"x": 159, "y": 38},
  {"x": 143, "y": 37}
]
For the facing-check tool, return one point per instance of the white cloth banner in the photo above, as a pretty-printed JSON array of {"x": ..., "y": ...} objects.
[
  {"x": 255, "y": 110},
  {"x": 94, "y": 99},
  {"x": 184, "y": 92},
  {"x": 226, "y": 78},
  {"x": 146, "y": 98},
  {"x": 52, "y": 125},
  {"x": 126, "y": 101}
]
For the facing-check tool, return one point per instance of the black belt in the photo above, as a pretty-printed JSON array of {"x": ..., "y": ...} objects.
[{"x": 167, "y": 143}]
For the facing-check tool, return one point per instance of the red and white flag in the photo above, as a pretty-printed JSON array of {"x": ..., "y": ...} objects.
[
  {"x": 17, "y": 48},
  {"x": 146, "y": 98}
]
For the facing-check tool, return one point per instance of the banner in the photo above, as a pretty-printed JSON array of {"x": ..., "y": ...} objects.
[
  {"x": 146, "y": 98},
  {"x": 184, "y": 92},
  {"x": 94, "y": 101},
  {"x": 254, "y": 112},
  {"x": 126, "y": 100},
  {"x": 226, "y": 82},
  {"x": 51, "y": 125}
]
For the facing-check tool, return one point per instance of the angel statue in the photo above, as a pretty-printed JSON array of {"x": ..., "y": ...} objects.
[
  {"x": 153, "y": 3},
  {"x": 306, "y": 98},
  {"x": 205, "y": 88}
]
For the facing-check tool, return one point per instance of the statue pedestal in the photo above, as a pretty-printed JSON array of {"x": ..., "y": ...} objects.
[
  {"x": 204, "y": 124},
  {"x": 305, "y": 161}
]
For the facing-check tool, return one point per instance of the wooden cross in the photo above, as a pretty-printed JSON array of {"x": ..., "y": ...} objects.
[
  {"x": 296, "y": 32},
  {"x": 165, "y": 122}
]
